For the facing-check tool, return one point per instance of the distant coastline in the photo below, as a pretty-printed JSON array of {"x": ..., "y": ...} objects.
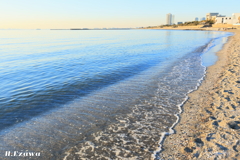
[
  {"x": 95, "y": 29},
  {"x": 198, "y": 27}
]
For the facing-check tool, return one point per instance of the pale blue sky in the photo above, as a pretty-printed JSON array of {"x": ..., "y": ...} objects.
[{"x": 106, "y": 13}]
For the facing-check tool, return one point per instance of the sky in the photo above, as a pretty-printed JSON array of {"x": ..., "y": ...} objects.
[{"x": 65, "y": 14}]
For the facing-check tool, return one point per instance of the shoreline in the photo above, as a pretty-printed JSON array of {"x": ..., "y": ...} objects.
[
  {"x": 196, "y": 28},
  {"x": 209, "y": 124}
]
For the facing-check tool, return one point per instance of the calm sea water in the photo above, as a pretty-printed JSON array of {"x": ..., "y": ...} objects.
[{"x": 97, "y": 94}]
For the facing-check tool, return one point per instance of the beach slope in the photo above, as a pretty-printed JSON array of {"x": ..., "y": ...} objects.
[{"x": 209, "y": 128}]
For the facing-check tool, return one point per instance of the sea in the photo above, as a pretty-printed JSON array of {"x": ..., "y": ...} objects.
[{"x": 97, "y": 94}]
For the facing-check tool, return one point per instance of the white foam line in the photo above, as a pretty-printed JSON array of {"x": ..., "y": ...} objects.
[{"x": 171, "y": 130}]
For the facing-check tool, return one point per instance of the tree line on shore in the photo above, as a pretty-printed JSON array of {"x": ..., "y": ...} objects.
[{"x": 192, "y": 23}]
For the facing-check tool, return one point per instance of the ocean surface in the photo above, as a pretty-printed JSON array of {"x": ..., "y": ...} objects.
[{"x": 97, "y": 94}]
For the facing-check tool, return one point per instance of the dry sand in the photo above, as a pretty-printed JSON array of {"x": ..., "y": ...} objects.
[{"x": 209, "y": 128}]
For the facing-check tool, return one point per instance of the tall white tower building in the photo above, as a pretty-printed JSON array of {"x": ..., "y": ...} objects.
[
  {"x": 173, "y": 17},
  {"x": 169, "y": 19}
]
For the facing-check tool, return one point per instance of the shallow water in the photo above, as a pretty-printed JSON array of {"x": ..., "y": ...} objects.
[{"x": 97, "y": 94}]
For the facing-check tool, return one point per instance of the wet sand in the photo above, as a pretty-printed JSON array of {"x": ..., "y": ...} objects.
[{"x": 209, "y": 128}]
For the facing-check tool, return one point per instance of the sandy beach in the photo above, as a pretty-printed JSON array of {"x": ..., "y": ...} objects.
[{"x": 209, "y": 127}]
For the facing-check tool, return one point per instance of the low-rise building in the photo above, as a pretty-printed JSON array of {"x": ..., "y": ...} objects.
[
  {"x": 211, "y": 16},
  {"x": 234, "y": 19},
  {"x": 214, "y": 16}
]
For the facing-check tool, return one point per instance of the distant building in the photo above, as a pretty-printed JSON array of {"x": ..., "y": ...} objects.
[
  {"x": 203, "y": 19},
  {"x": 234, "y": 19},
  {"x": 196, "y": 19},
  {"x": 169, "y": 19},
  {"x": 179, "y": 22},
  {"x": 223, "y": 20},
  {"x": 173, "y": 18},
  {"x": 211, "y": 16}
]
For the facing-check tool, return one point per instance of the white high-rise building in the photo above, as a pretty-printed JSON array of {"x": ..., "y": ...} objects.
[
  {"x": 170, "y": 19},
  {"x": 173, "y": 19}
]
